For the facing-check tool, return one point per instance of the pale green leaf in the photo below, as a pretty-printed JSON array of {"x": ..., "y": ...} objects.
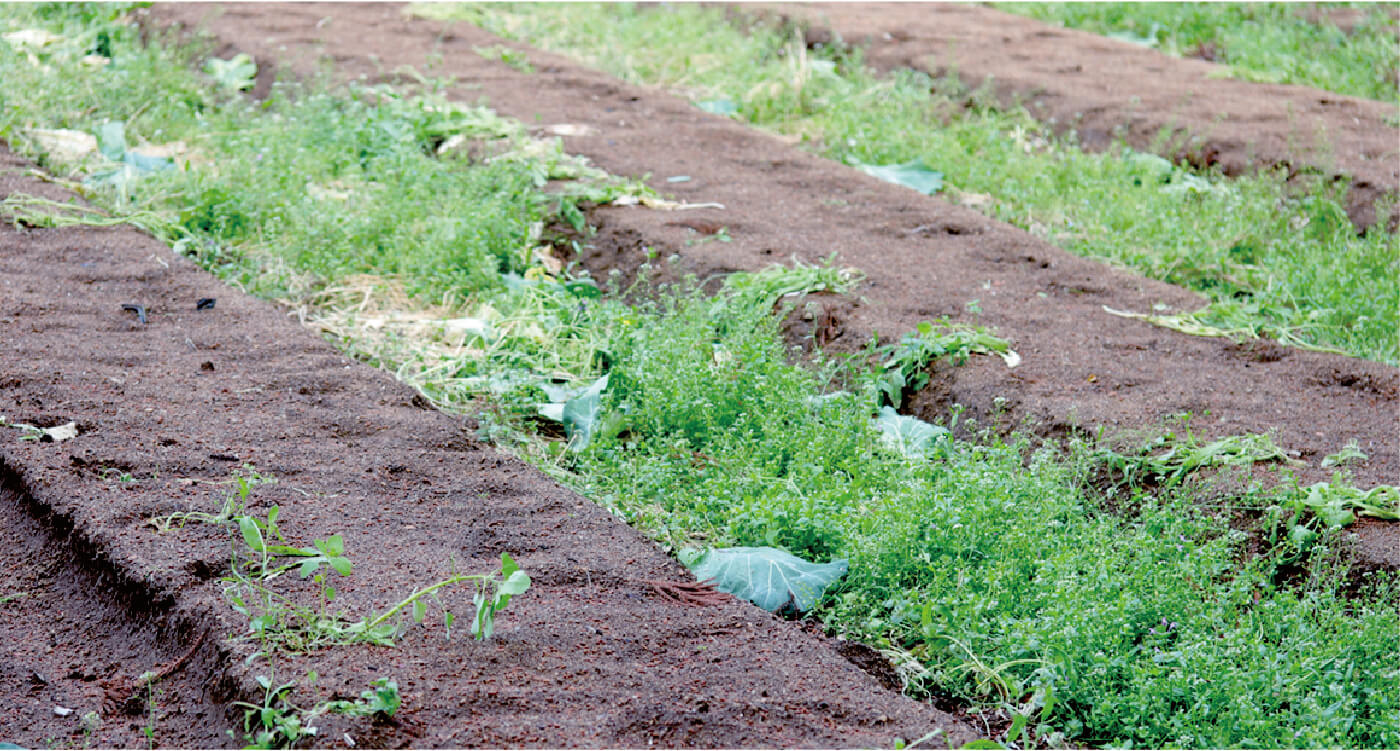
[
  {"x": 251, "y": 534},
  {"x": 915, "y": 174},
  {"x": 911, "y": 437},
  {"x": 581, "y": 414},
  {"x": 719, "y": 106},
  {"x": 768, "y": 577},
  {"x": 516, "y": 583},
  {"x": 238, "y": 72}
]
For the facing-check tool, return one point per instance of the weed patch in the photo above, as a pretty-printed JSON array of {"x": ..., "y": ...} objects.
[
  {"x": 1178, "y": 457},
  {"x": 982, "y": 567},
  {"x": 1282, "y": 261}
]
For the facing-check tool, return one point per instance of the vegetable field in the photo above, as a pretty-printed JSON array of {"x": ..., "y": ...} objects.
[{"x": 797, "y": 375}]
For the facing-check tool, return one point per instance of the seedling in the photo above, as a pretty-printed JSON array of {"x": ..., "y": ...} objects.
[
  {"x": 120, "y": 475},
  {"x": 152, "y": 715},
  {"x": 721, "y": 235},
  {"x": 1350, "y": 454},
  {"x": 512, "y": 57},
  {"x": 278, "y": 723},
  {"x": 906, "y": 362},
  {"x": 234, "y": 503}
]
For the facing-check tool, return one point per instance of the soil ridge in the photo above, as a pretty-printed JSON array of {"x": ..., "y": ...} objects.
[
  {"x": 923, "y": 257},
  {"x": 169, "y": 410},
  {"x": 1106, "y": 89}
]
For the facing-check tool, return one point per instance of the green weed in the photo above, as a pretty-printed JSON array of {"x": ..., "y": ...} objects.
[
  {"x": 906, "y": 363},
  {"x": 1180, "y": 456},
  {"x": 1350, "y": 453},
  {"x": 1288, "y": 259},
  {"x": 279, "y": 723},
  {"x": 233, "y": 507},
  {"x": 514, "y": 58},
  {"x": 984, "y": 564},
  {"x": 282, "y": 625}
]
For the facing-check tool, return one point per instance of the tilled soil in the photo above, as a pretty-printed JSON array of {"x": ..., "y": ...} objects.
[
  {"x": 1108, "y": 90},
  {"x": 1082, "y": 368},
  {"x": 592, "y": 655}
]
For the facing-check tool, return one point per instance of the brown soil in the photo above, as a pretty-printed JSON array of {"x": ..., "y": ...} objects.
[
  {"x": 592, "y": 656},
  {"x": 1108, "y": 90},
  {"x": 923, "y": 256}
]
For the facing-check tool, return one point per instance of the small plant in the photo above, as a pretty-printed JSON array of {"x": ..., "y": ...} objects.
[
  {"x": 512, "y": 57},
  {"x": 905, "y": 362},
  {"x": 721, "y": 235},
  {"x": 1350, "y": 454},
  {"x": 1180, "y": 456},
  {"x": 243, "y": 481},
  {"x": 282, "y": 624},
  {"x": 278, "y": 723},
  {"x": 152, "y": 715},
  {"x": 91, "y": 722},
  {"x": 120, "y": 475}
]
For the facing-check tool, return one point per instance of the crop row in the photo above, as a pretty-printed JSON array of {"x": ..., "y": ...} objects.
[{"x": 1005, "y": 573}]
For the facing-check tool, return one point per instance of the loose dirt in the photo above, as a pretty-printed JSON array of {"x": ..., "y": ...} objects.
[
  {"x": 1108, "y": 91},
  {"x": 1082, "y": 368},
  {"x": 591, "y": 656}
]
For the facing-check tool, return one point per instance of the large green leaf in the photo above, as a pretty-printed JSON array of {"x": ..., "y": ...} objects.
[
  {"x": 128, "y": 165},
  {"x": 581, "y": 411},
  {"x": 111, "y": 140},
  {"x": 719, "y": 106},
  {"x": 915, "y": 174},
  {"x": 238, "y": 73},
  {"x": 767, "y": 577},
  {"x": 910, "y": 436}
]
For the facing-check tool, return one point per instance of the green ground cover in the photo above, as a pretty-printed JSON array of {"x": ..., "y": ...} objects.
[
  {"x": 1298, "y": 43},
  {"x": 1272, "y": 259},
  {"x": 989, "y": 570}
]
